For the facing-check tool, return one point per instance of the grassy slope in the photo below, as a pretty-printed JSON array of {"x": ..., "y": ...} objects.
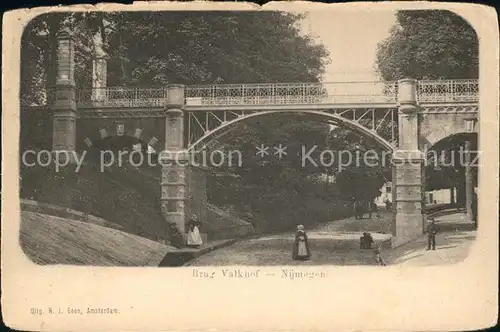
[
  {"x": 121, "y": 196},
  {"x": 125, "y": 196},
  {"x": 52, "y": 240}
]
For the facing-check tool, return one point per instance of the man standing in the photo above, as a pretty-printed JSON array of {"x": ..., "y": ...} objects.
[
  {"x": 474, "y": 209},
  {"x": 431, "y": 235}
]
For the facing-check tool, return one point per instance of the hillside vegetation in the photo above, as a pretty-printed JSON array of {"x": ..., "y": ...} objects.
[
  {"x": 124, "y": 196},
  {"x": 121, "y": 196}
]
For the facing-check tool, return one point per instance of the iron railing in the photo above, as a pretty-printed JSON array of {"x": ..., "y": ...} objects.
[
  {"x": 121, "y": 97},
  {"x": 291, "y": 93},
  {"x": 368, "y": 93},
  {"x": 446, "y": 91}
]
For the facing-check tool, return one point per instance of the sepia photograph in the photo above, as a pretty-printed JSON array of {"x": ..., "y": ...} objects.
[
  {"x": 260, "y": 152},
  {"x": 249, "y": 138}
]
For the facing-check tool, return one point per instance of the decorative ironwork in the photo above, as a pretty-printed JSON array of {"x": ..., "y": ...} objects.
[
  {"x": 117, "y": 113},
  {"x": 449, "y": 109},
  {"x": 448, "y": 91},
  {"x": 291, "y": 93},
  {"x": 121, "y": 97},
  {"x": 275, "y": 94},
  {"x": 381, "y": 124}
]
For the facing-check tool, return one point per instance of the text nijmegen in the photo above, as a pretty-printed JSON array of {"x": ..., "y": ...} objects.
[{"x": 292, "y": 274}]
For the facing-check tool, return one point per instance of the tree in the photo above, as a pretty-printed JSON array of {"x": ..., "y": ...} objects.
[
  {"x": 212, "y": 47},
  {"x": 365, "y": 169},
  {"x": 429, "y": 44}
]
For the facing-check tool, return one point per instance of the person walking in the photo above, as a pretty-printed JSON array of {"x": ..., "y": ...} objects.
[
  {"x": 301, "y": 246},
  {"x": 356, "y": 207},
  {"x": 431, "y": 235},
  {"x": 374, "y": 209}
]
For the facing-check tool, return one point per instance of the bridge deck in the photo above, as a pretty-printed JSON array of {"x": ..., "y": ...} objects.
[{"x": 275, "y": 96}]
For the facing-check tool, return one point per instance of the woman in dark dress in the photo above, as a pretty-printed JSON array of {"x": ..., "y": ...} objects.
[{"x": 301, "y": 247}]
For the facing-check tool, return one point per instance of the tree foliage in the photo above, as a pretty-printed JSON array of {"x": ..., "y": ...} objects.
[
  {"x": 429, "y": 44},
  {"x": 364, "y": 167},
  {"x": 214, "y": 47}
]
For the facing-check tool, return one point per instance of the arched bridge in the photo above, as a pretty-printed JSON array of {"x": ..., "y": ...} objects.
[
  {"x": 367, "y": 107},
  {"x": 402, "y": 116}
]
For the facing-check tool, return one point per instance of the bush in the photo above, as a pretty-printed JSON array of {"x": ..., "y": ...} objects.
[{"x": 272, "y": 209}]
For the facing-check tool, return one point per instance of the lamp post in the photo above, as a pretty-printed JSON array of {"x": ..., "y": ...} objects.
[{"x": 469, "y": 122}]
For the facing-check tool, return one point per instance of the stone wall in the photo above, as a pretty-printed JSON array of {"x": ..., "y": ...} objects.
[
  {"x": 196, "y": 193},
  {"x": 435, "y": 127}
]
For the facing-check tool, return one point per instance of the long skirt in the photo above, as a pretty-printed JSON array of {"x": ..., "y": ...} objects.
[
  {"x": 302, "y": 250},
  {"x": 194, "y": 237}
]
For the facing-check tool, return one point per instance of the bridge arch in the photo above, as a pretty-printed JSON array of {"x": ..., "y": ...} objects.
[
  {"x": 329, "y": 118},
  {"x": 438, "y": 126},
  {"x": 453, "y": 138}
]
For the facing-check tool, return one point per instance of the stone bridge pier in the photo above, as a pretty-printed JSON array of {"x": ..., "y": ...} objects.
[
  {"x": 174, "y": 160},
  {"x": 408, "y": 169},
  {"x": 64, "y": 108}
]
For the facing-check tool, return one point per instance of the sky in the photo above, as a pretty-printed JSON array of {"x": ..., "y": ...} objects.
[{"x": 351, "y": 37}]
